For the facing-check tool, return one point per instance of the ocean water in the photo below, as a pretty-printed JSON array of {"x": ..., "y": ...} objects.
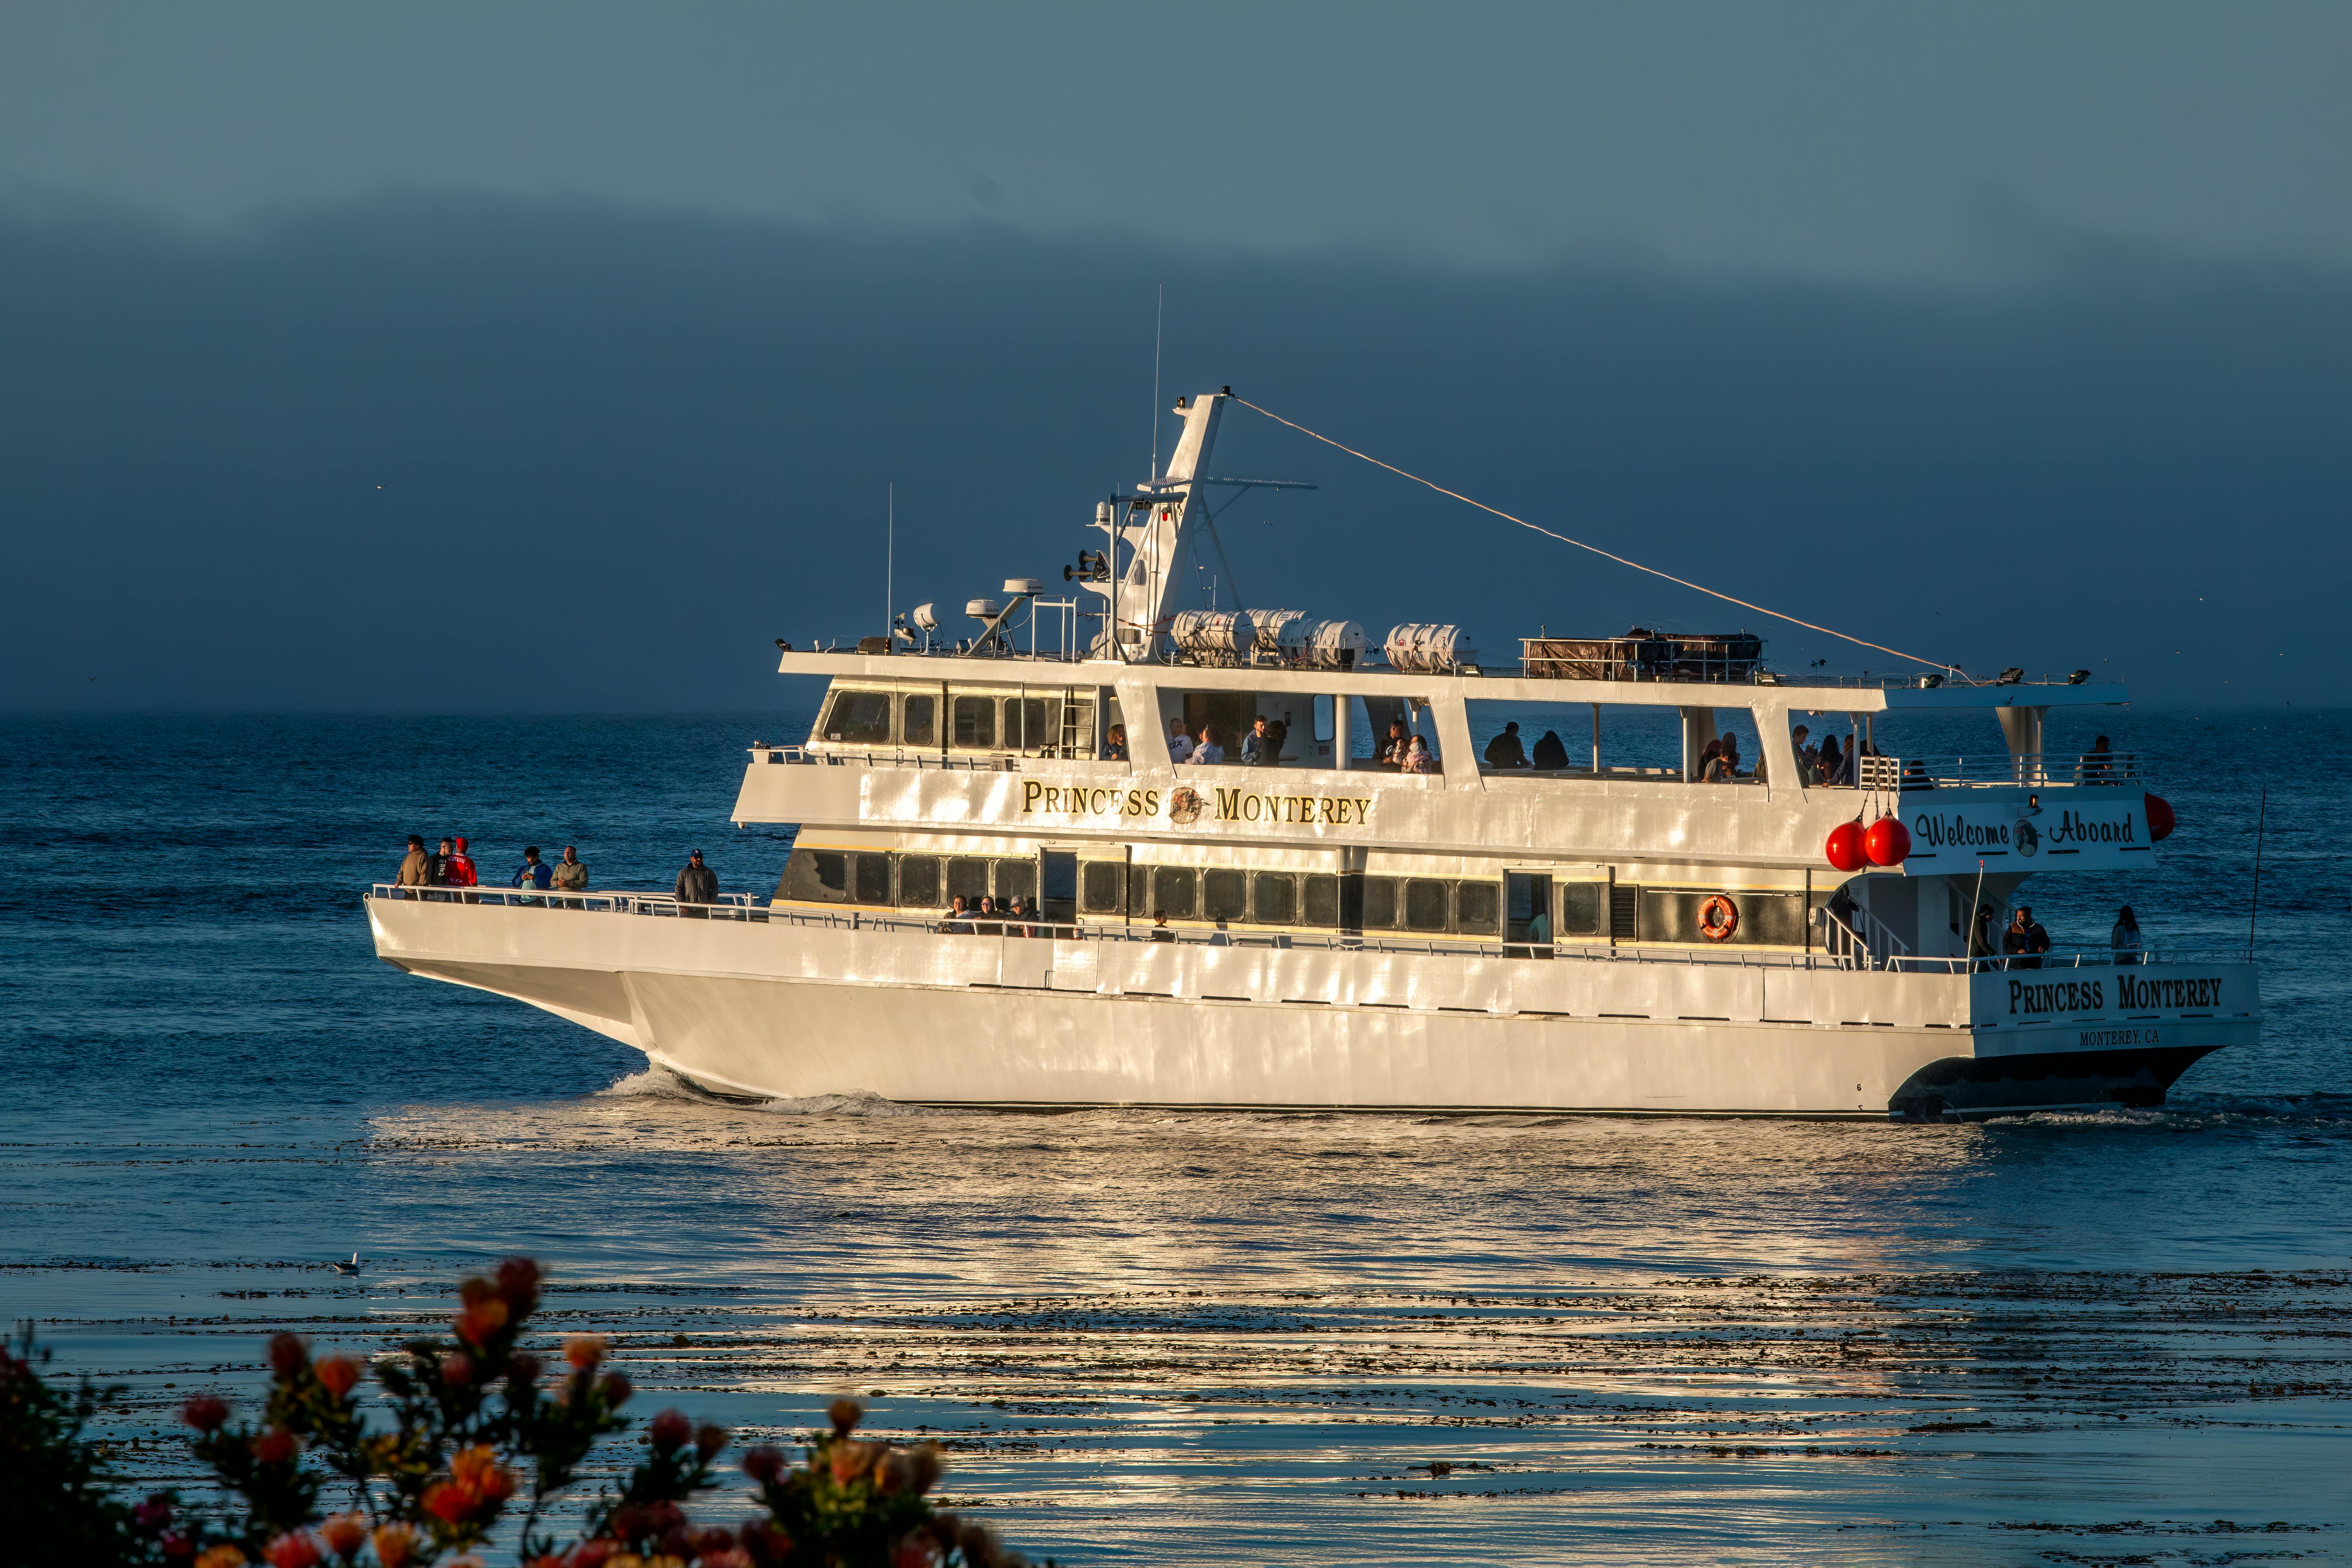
[{"x": 1146, "y": 1338}]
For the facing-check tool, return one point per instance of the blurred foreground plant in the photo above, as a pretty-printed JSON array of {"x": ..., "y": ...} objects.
[{"x": 477, "y": 1425}]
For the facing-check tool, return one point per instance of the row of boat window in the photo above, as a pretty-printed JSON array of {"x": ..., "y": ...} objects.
[
  {"x": 979, "y": 721},
  {"x": 1225, "y": 895}
]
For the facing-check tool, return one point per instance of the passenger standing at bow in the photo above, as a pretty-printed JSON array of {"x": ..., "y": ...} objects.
[
  {"x": 458, "y": 871},
  {"x": 2125, "y": 939},
  {"x": 696, "y": 884},
  {"x": 415, "y": 868},
  {"x": 570, "y": 874}
]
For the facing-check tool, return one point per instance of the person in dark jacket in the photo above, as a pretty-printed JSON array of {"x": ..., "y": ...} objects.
[
  {"x": 533, "y": 872},
  {"x": 2024, "y": 941},
  {"x": 440, "y": 867},
  {"x": 1505, "y": 750},
  {"x": 698, "y": 884},
  {"x": 1552, "y": 752}
]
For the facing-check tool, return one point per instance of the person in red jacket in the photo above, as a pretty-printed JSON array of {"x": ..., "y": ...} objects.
[{"x": 458, "y": 871}]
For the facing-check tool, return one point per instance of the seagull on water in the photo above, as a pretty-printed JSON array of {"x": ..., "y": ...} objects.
[{"x": 350, "y": 1268}]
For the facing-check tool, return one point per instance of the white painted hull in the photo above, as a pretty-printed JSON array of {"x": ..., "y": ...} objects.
[{"x": 775, "y": 1009}]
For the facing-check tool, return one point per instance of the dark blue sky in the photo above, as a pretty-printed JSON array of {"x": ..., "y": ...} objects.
[{"x": 558, "y": 359}]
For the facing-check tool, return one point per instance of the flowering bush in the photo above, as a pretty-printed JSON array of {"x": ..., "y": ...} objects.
[{"x": 477, "y": 1428}]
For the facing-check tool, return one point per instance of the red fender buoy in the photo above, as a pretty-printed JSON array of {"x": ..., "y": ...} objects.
[
  {"x": 1887, "y": 843},
  {"x": 1845, "y": 848},
  {"x": 2160, "y": 820}
]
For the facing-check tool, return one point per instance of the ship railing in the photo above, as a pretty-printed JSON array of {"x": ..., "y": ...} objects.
[
  {"x": 1854, "y": 953},
  {"x": 728, "y": 906},
  {"x": 2031, "y": 770},
  {"x": 992, "y": 763}
]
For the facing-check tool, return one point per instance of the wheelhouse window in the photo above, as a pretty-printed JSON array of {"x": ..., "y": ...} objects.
[
  {"x": 1029, "y": 725},
  {"x": 1476, "y": 908},
  {"x": 857, "y": 717},
  {"x": 975, "y": 724},
  {"x": 1274, "y": 899},
  {"x": 918, "y": 723}
]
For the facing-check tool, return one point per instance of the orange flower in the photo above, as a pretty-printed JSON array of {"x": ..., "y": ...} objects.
[
  {"x": 448, "y": 1503},
  {"x": 274, "y": 1446},
  {"x": 345, "y": 1533},
  {"x": 850, "y": 1459},
  {"x": 338, "y": 1375},
  {"x": 293, "y": 1550},
  {"x": 221, "y": 1556},
  {"x": 394, "y": 1544},
  {"x": 584, "y": 1351},
  {"x": 478, "y": 1322}
]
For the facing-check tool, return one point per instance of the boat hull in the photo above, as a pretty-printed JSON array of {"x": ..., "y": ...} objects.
[{"x": 775, "y": 1009}]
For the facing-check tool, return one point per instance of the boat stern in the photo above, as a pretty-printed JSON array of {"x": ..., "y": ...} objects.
[{"x": 2084, "y": 1038}]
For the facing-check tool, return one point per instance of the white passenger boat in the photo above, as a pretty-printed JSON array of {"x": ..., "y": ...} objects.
[{"x": 1605, "y": 931}]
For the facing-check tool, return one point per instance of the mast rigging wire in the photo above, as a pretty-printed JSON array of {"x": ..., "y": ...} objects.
[{"x": 1564, "y": 539}]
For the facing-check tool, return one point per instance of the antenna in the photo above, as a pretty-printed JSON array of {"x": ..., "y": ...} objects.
[
  {"x": 889, "y": 560},
  {"x": 1159, "y": 320}
]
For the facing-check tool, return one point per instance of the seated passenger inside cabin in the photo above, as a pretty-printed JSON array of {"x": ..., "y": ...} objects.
[
  {"x": 1833, "y": 763},
  {"x": 1417, "y": 759},
  {"x": 1505, "y": 750},
  {"x": 1115, "y": 743},
  {"x": 1208, "y": 751},
  {"x": 1552, "y": 752},
  {"x": 1730, "y": 757},
  {"x": 1257, "y": 748},
  {"x": 1179, "y": 744},
  {"x": 1277, "y": 734},
  {"x": 1710, "y": 763},
  {"x": 959, "y": 921},
  {"x": 2098, "y": 765},
  {"x": 1393, "y": 749}
]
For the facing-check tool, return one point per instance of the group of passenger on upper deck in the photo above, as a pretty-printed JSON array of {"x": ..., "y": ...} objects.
[{"x": 1261, "y": 748}]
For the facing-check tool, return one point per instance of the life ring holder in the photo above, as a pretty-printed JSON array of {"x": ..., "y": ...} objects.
[{"x": 1718, "y": 916}]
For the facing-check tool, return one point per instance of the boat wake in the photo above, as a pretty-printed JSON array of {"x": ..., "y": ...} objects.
[{"x": 660, "y": 1083}]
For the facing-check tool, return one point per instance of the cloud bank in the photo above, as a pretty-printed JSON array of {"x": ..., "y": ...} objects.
[{"x": 452, "y": 454}]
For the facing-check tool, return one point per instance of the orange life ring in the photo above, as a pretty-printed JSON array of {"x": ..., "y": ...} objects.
[{"x": 1718, "y": 918}]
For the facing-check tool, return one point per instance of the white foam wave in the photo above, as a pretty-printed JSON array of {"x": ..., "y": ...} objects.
[
  {"x": 654, "y": 1083},
  {"x": 858, "y": 1104}
]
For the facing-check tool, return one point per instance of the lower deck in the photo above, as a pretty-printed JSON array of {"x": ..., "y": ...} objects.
[{"x": 773, "y": 1002}]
